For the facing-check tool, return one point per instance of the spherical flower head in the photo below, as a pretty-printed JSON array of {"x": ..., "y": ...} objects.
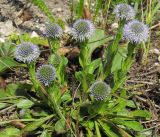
[
  {"x": 55, "y": 59},
  {"x": 124, "y": 11},
  {"x": 136, "y": 32},
  {"x": 82, "y": 30},
  {"x": 100, "y": 90},
  {"x": 53, "y": 31},
  {"x": 46, "y": 74},
  {"x": 26, "y": 52}
]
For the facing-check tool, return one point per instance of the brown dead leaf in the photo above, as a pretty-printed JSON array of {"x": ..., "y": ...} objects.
[
  {"x": 18, "y": 124},
  {"x": 74, "y": 52},
  {"x": 63, "y": 89},
  {"x": 63, "y": 50},
  {"x": 2, "y": 83},
  {"x": 86, "y": 12},
  {"x": 26, "y": 15}
]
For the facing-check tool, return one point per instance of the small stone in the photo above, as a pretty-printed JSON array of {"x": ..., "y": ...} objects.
[
  {"x": 67, "y": 29},
  {"x": 156, "y": 64},
  {"x": 7, "y": 28},
  {"x": 159, "y": 58},
  {"x": 114, "y": 26},
  {"x": 2, "y": 40},
  {"x": 59, "y": 10},
  {"x": 34, "y": 34},
  {"x": 156, "y": 51}
]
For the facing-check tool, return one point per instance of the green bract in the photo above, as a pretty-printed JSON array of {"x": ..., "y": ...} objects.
[{"x": 100, "y": 90}]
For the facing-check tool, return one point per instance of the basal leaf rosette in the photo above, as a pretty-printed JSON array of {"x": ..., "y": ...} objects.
[
  {"x": 124, "y": 11},
  {"x": 136, "y": 32},
  {"x": 82, "y": 30},
  {"x": 27, "y": 52},
  {"x": 100, "y": 90},
  {"x": 46, "y": 74}
]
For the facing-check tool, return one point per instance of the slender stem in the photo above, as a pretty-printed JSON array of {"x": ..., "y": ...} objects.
[
  {"x": 125, "y": 67},
  {"x": 54, "y": 44},
  {"x": 33, "y": 75},
  {"x": 58, "y": 111},
  {"x": 84, "y": 60},
  {"x": 36, "y": 84},
  {"x": 50, "y": 46},
  {"x": 112, "y": 51}
]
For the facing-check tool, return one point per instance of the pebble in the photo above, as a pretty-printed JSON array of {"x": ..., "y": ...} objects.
[
  {"x": 156, "y": 64},
  {"x": 114, "y": 26},
  {"x": 34, "y": 34},
  {"x": 59, "y": 10},
  {"x": 156, "y": 51},
  {"x": 7, "y": 28},
  {"x": 2, "y": 40},
  {"x": 67, "y": 29},
  {"x": 159, "y": 58}
]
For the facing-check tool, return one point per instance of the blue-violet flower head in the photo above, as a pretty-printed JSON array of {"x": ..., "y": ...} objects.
[
  {"x": 82, "y": 30},
  {"x": 136, "y": 32},
  {"x": 53, "y": 31},
  {"x": 46, "y": 74},
  {"x": 27, "y": 52},
  {"x": 100, "y": 90},
  {"x": 124, "y": 11}
]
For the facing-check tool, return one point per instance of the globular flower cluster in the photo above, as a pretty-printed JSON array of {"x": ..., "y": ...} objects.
[
  {"x": 55, "y": 59},
  {"x": 82, "y": 30},
  {"x": 27, "y": 52},
  {"x": 136, "y": 32},
  {"x": 100, "y": 90},
  {"x": 53, "y": 31},
  {"x": 124, "y": 11},
  {"x": 46, "y": 74}
]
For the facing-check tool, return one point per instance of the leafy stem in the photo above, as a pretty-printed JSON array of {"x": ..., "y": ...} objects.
[
  {"x": 56, "y": 108},
  {"x": 112, "y": 50},
  {"x": 54, "y": 44},
  {"x": 125, "y": 66}
]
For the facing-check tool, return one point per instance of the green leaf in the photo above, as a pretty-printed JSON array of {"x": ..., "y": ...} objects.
[
  {"x": 98, "y": 8},
  {"x": 79, "y": 76},
  {"x": 7, "y": 49},
  {"x": 88, "y": 124},
  {"x": 60, "y": 70},
  {"x": 93, "y": 66},
  {"x": 130, "y": 103},
  {"x": 55, "y": 93},
  {"x": 80, "y": 8},
  {"x": 109, "y": 130},
  {"x": 66, "y": 97},
  {"x": 10, "y": 132},
  {"x": 36, "y": 124},
  {"x": 45, "y": 134},
  {"x": 130, "y": 124},
  {"x": 119, "y": 57},
  {"x": 41, "y": 5},
  {"x": 3, "y": 105},
  {"x": 60, "y": 126},
  {"x": 27, "y": 37},
  {"x": 97, "y": 129},
  {"x": 18, "y": 89},
  {"x": 8, "y": 63},
  {"x": 25, "y": 103},
  {"x": 121, "y": 104},
  {"x": 141, "y": 113},
  {"x": 97, "y": 40}
]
